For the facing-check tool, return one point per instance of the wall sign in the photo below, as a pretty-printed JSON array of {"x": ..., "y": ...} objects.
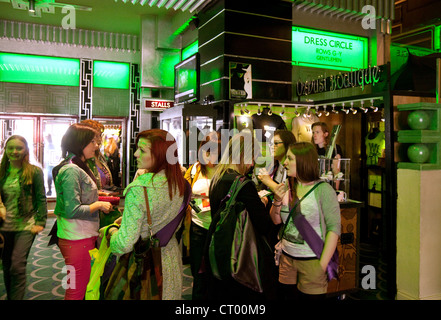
[
  {"x": 158, "y": 104},
  {"x": 358, "y": 78},
  {"x": 323, "y": 49}
]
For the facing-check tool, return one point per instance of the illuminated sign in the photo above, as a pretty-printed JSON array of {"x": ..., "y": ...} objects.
[
  {"x": 190, "y": 50},
  {"x": 108, "y": 74},
  {"x": 357, "y": 78},
  {"x": 323, "y": 49},
  {"x": 158, "y": 104}
]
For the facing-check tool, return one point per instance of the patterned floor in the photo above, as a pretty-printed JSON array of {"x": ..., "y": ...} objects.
[
  {"x": 45, "y": 264},
  {"x": 44, "y": 272}
]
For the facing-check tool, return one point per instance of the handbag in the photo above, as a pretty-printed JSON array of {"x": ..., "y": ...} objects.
[
  {"x": 138, "y": 274},
  {"x": 314, "y": 241},
  {"x": 234, "y": 250}
]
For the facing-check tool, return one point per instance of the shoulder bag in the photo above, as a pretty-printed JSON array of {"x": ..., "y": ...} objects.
[
  {"x": 234, "y": 250},
  {"x": 138, "y": 274}
]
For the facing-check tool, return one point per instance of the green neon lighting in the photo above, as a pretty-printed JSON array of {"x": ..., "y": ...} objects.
[
  {"x": 183, "y": 27},
  {"x": 113, "y": 75},
  {"x": 399, "y": 54},
  {"x": 190, "y": 50},
  {"x": 324, "y": 49},
  {"x": 167, "y": 68},
  {"x": 39, "y": 69}
]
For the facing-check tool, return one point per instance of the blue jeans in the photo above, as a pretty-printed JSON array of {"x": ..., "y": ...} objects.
[{"x": 15, "y": 257}]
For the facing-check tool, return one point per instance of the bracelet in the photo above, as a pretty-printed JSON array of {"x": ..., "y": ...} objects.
[
  {"x": 111, "y": 227},
  {"x": 277, "y": 205}
]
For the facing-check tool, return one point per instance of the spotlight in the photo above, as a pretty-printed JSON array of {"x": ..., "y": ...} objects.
[
  {"x": 354, "y": 111},
  {"x": 363, "y": 108},
  {"x": 318, "y": 112},
  {"x": 283, "y": 111},
  {"x": 333, "y": 109},
  {"x": 32, "y": 6},
  {"x": 343, "y": 108},
  {"x": 325, "y": 111},
  {"x": 373, "y": 107}
]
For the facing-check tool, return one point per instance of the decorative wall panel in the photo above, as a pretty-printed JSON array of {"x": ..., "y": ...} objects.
[
  {"x": 86, "y": 88},
  {"x": 111, "y": 102},
  {"x": 38, "y": 98},
  {"x": 134, "y": 118}
]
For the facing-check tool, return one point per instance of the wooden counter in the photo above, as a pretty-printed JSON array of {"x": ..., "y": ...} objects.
[{"x": 348, "y": 249}]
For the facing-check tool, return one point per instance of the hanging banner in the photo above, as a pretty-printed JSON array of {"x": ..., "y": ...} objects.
[{"x": 241, "y": 81}]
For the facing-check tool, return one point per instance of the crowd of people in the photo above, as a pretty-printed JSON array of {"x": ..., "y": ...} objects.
[{"x": 81, "y": 174}]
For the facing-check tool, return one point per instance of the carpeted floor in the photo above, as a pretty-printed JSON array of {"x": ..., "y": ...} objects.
[
  {"x": 45, "y": 264},
  {"x": 44, "y": 271}
]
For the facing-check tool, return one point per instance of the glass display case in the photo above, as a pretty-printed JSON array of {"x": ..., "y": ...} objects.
[
  {"x": 337, "y": 172},
  {"x": 189, "y": 124}
]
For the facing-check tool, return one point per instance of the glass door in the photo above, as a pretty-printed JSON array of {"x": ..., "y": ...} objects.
[
  {"x": 113, "y": 148},
  {"x": 52, "y": 131},
  {"x": 23, "y": 126}
]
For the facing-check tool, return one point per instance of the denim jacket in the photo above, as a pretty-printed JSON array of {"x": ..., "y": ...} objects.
[{"x": 32, "y": 198}]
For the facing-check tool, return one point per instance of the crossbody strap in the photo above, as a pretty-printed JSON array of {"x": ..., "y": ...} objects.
[
  {"x": 164, "y": 235},
  {"x": 147, "y": 205},
  {"x": 295, "y": 206}
]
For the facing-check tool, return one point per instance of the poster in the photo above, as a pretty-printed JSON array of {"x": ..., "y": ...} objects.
[{"x": 240, "y": 81}]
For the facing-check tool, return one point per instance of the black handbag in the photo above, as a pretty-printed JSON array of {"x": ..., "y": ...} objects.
[{"x": 234, "y": 250}]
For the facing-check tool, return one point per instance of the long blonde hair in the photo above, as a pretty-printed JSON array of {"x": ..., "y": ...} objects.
[
  {"x": 242, "y": 149},
  {"x": 28, "y": 169}
]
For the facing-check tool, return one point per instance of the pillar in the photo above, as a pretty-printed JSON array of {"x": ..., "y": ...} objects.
[
  {"x": 249, "y": 33},
  {"x": 418, "y": 234}
]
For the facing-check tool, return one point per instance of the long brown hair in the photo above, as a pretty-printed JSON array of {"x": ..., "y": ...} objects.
[
  {"x": 162, "y": 143},
  {"x": 28, "y": 169}
]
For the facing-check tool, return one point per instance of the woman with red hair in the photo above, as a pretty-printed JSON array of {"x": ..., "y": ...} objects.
[{"x": 157, "y": 154}]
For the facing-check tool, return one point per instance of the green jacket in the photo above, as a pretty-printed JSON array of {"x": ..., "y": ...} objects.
[{"x": 32, "y": 199}]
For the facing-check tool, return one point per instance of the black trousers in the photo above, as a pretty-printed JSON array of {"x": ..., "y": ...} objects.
[
  {"x": 198, "y": 236},
  {"x": 15, "y": 255}
]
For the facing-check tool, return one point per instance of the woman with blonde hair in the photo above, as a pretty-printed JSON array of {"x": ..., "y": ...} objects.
[
  {"x": 24, "y": 197},
  {"x": 238, "y": 160}
]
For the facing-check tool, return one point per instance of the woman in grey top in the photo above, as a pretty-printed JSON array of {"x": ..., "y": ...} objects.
[
  {"x": 301, "y": 273},
  {"x": 24, "y": 197},
  {"x": 77, "y": 207}
]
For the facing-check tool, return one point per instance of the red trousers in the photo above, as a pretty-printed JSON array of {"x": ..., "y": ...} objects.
[{"x": 77, "y": 259}]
